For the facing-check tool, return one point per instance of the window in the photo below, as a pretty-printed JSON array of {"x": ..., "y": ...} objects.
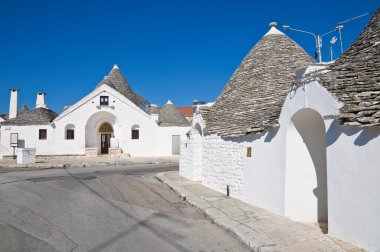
[
  {"x": 42, "y": 134},
  {"x": 135, "y": 134},
  {"x": 104, "y": 100},
  {"x": 70, "y": 134},
  {"x": 69, "y": 131},
  {"x": 135, "y": 131}
]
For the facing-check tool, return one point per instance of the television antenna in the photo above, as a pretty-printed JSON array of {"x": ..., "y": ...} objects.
[{"x": 340, "y": 26}]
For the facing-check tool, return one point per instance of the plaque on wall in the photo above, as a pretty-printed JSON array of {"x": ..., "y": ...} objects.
[{"x": 14, "y": 139}]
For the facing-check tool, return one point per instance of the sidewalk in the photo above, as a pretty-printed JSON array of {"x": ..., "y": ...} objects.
[
  {"x": 59, "y": 162},
  {"x": 261, "y": 230}
]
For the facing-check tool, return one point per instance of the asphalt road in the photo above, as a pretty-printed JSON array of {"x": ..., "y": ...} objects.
[{"x": 102, "y": 209}]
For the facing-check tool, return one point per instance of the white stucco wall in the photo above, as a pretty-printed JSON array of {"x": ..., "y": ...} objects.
[
  {"x": 190, "y": 165},
  {"x": 191, "y": 159},
  {"x": 353, "y": 184},
  {"x": 87, "y": 116}
]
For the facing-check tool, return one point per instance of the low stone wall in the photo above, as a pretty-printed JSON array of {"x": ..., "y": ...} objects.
[
  {"x": 26, "y": 156},
  {"x": 223, "y": 164},
  {"x": 91, "y": 152}
]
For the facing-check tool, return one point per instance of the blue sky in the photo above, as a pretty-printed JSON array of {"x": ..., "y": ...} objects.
[{"x": 178, "y": 50}]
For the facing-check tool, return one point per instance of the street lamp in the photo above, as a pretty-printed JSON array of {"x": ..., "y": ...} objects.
[{"x": 317, "y": 37}]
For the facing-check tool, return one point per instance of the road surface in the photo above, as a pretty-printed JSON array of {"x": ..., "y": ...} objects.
[{"x": 102, "y": 209}]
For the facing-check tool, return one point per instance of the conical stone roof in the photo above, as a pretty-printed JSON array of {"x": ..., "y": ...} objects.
[
  {"x": 169, "y": 115},
  {"x": 116, "y": 80},
  {"x": 32, "y": 117},
  {"x": 354, "y": 79},
  {"x": 253, "y": 97},
  {"x": 153, "y": 109}
]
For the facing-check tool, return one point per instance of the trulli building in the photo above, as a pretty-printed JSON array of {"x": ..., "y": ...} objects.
[
  {"x": 112, "y": 119},
  {"x": 298, "y": 138}
]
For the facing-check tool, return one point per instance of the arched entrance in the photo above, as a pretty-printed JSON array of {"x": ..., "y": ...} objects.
[
  {"x": 106, "y": 132},
  {"x": 100, "y": 128},
  {"x": 306, "y": 168}
]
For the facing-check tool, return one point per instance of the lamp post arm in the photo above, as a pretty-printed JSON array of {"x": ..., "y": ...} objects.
[{"x": 315, "y": 36}]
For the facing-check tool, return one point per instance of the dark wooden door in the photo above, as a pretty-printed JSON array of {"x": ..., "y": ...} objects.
[{"x": 104, "y": 143}]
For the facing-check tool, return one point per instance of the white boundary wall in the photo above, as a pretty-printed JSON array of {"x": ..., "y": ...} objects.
[{"x": 352, "y": 158}]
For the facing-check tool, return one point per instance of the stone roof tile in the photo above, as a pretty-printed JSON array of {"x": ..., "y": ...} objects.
[
  {"x": 169, "y": 115},
  {"x": 354, "y": 79},
  {"x": 32, "y": 117}
]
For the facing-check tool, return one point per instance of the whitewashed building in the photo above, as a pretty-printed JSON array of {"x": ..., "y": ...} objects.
[
  {"x": 112, "y": 119},
  {"x": 297, "y": 138}
]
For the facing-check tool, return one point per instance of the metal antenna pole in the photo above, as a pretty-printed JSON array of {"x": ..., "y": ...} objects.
[
  {"x": 339, "y": 27},
  {"x": 340, "y": 38},
  {"x": 319, "y": 43}
]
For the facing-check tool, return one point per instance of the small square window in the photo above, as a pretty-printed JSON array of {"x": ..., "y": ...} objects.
[
  {"x": 70, "y": 134},
  {"x": 135, "y": 134},
  {"x": 42, "y": 134},
  {"x": 104, "y": 100}
]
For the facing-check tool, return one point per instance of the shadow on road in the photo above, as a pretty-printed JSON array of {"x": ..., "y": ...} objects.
[{"x": 165, "y": 235}]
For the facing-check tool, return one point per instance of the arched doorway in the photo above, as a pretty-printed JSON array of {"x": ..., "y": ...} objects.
[
  {"x": 97, "y": 124},
  {"x": 306, "y": 168},
  {"x": 106, "y": 132}
]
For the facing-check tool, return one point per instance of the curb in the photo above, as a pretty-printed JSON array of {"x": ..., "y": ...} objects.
[
  {"x": 254, "y": 240},
  {"x": 49, "y": 166}
]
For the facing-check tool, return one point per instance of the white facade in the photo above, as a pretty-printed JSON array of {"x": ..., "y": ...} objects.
[
  {"x": 85, "y": 118},
  {"x": 310, "y": 168}
]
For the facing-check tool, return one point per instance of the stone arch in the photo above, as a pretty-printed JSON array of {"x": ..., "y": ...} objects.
[
  {"x": 306, "y": 168},
  {"x": 97, "y": 124}
]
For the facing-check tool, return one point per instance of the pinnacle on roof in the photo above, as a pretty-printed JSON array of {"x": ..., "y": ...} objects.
[
  {"x": 273, "y": 30},
  {"x": 253, "y": 97},
  {"x": 116, "y": 80}
]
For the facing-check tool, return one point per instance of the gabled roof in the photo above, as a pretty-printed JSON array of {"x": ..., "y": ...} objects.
[
  {"x": 32, "y": 117},
  {"x": 169, "y": 115},
  {"x": 354, "y": 79},
  {"x": 116, "y": 80},
  {"x": 186, "y": 111},
  {"x": 99, "y": 91},
  {"x": 253, "y": 97}
]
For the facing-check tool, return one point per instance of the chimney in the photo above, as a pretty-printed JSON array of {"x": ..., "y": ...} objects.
[
  {"x": 40, "y": 102},
  {"x": 13, "y": 103}
]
